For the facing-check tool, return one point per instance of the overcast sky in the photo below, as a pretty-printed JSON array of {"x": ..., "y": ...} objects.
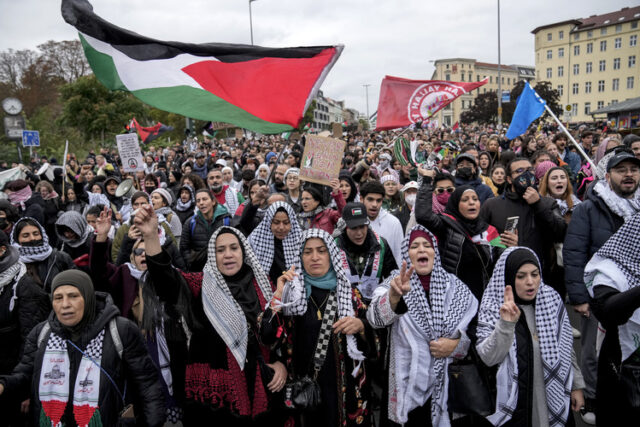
[{"x": 381, "y": 37}]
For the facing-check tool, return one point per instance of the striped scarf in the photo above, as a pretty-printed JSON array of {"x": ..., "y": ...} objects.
[{"x": 29, "y": 254}]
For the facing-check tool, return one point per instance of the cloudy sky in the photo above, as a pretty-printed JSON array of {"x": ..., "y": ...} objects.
[{"x": 381, "y": 37}]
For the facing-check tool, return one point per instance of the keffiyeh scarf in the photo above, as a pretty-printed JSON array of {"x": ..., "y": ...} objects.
[
  {"x": 295, "y": 298},
  {"x": 556, "y": 343},
  {"x": 415, "y": 375},
  {"x": 622, "y": 207},
  {"x": 30, "y": 254},
  {"x": 180, "y": 205},
  {"x": 305, "y": 219},
  {"x": 98, "y": 199},
  {"x": 76, "y": 222},
  {"x": 261, "y": 239},
  {"x": 564, "y": 206},
  {"x": 222, "y": 310},
  {"x": 17, "y": 198},
  {"x": 617, "y": 264},
  {"x": 231, "y": 200},
  {"x": 12, "y": 272}
]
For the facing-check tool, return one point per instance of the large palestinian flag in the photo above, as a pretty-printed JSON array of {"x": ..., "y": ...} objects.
[{"x": 266, "y": 90}]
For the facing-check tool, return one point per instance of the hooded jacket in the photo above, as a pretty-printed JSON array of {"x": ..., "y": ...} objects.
[{"x": 196, "y": 234}]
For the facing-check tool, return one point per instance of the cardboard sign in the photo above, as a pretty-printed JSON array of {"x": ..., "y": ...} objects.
[
  {"x": 322, "y": 159},
  {"x": 336, "y": 129},
  {"x": 129, "y": 150}
]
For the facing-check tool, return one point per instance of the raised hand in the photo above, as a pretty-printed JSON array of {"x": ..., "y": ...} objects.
[
  {"x": 400, "y": 285},
  {"x": 509, "y": 311},
  {"x": 146, "y": 221},
  {"x": 287, "y": 276},
  {"x": 335, "y": 185},
  {"x": 103, "y": 225}
]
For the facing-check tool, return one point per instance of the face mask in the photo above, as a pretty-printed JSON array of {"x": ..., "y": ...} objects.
[
  {"x": 524, "y": 181},
  {"x": 3, "y": 223},
  {"x": 149, "y": 190},
  {"x": 33, "y": 243},
  {"x": 410, "y": 199},
  {"x": 464, "y": 173},
  {"x": 443, "y": 198}
]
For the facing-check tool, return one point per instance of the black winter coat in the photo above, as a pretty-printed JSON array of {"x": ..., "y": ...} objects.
[
  {"x": 136, "y": 367},
  {"x": 592, "y": 223},
  {"x": 56, "y": 263},
  {"x": 194, "y": 240},
  {"x": 34, "y": 208}
]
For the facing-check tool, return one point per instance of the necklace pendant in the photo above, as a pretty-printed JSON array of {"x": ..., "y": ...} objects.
[{"x": 319, "y": 314}]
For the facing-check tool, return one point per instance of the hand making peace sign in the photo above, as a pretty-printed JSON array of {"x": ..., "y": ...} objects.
[
  {"x": 400, "y": 285},
  {"x": 509, "y": 311}
]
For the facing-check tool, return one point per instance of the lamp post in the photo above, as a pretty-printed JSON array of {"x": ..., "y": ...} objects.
[
  {"x": 366, "y": 94},
  {"x": 499, "y": 75},
  {"x": 251, "y": 21}
]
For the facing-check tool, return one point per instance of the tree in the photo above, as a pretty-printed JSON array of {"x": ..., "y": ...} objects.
[
  {"x": 65, "y": 59},
  {"x": 308, "y": 117},
  {"x": 484, "y": 110}
]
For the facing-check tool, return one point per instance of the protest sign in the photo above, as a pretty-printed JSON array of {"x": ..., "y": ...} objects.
[
  {"x": 321, "y": 159},
  {"x": 129, "y": 150},
  {"x": 336, "y": 129}
]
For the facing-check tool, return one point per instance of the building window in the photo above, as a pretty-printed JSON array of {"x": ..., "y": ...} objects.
[
  {"x": 470, "y": 77},
  {"x": 447, "y": 66},
  {"x": 618, "y": 28},
  {"x": 602, "y": 65},
  {"x": 478, "y": 77},
  {"x": 616, "y": 63},
  {"x": 615, "y": 84},
  {"x": 576, "y": 36},
  {"x": 600, "y": 104},
  {"x": 603, "y": 46},
  {"x": 587, "y": 107},
  {"x": 508, "y": 80},
  {"x": 561, "y": 52},
  {"x": 560, "y": 71},
  {"x": 462, "y": 76},
  {"x": 633, "y": 40},
  {"x": 574, "y": 109},
  {"x": 617, "y": 43},
  {"x": 634, "y": 25},
  {"x": 587, "y": 87},
  {"x": 614, "y": 101},
  {"x": 576, "y": 69},
  {"x": 632, "y": 61},
  {"x": 600, "y": 85},
  {"x": 549, "y": 54},
  {"x": 630, "y": 82},
  {"x": 589, "y": 34},
  {"x": 484, "y": 90},
  {"x": 560, "y": 90},
  {"x": 589, "y": 47},
  {"x": 549, "y": 37},
  {"x": 561, "y": 35},
  {"x": 490, "y": 79},
  {"x": 589, "y": 67},
  {"x": 603, "y": 31},
  {"x": 576, "y": 50},
  {"x": 447, "y": 77},
  {"x": 574, "y": 89},
  {"x": 502, "y": 80}
]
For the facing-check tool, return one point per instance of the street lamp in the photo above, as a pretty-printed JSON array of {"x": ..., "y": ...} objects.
[
  {"x": 499, "y": 75},
  {"x": 251, "y": 21},
  {"x": 366, "y": 91}
]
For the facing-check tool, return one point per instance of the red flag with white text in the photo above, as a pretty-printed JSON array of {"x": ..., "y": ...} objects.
[{"x": 403, "y": 101}]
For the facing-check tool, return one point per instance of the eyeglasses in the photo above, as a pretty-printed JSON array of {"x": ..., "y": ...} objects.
[
  {"x": 293, "y": 178},
  {"x": 441, "y": 190},
  {"x": 520, "y": 171},
  {"x": 138, "y": 251}
]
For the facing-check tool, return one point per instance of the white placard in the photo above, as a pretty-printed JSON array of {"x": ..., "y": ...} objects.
[{"x": 130, "y": 154}]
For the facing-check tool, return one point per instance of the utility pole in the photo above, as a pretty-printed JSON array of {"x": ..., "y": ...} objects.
[
  {"x": 499, "y": 74},
  {"x": 366, "y": 94},
  {"x": 251, "y": 21}
]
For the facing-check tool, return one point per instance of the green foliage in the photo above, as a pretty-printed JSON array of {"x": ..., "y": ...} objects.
[{"x": 307, "y": 118}]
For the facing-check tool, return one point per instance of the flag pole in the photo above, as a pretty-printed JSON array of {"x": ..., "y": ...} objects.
[
  {"x": 564, "y": 129},
  {"x": 397, "y": 136}
]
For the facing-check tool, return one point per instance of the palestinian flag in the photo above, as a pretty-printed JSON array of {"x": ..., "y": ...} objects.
[
  {"x": 489, "y": 237},
  {"x": 262, "y": 89},
  {"x": 148, "y": 134},
  {"x": 456, "y": 126},
  {"x": 306, "y": 127},
  {"x": 402, "y": 151}
]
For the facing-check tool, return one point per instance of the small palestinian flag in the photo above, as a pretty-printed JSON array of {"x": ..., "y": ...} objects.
[
  {"x": 306, "y": 127},
  {"x": 262, "y": 89},
  {"x": 489, "y": 236},
  {"x": 456, "y": 126},
  {"x": 402, "y": 151},
  {"x": 148, "y": 134}
]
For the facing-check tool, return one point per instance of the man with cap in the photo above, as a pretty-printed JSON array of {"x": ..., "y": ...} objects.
[
  {"x": 467, "y": 174},
  {"x": 224, "y": 194},
  {"x": 278, "y": 185},
  {"x": 608, "y": 203},
  {"x": 200, "y": 166},
  {"x": 367, "y": 259},
  {"x": 76, "y": 363}
]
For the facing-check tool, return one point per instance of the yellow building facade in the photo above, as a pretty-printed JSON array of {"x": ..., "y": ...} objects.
[
  {"x": 592, "y": 62},
  {"x": 470, "y": 70}
]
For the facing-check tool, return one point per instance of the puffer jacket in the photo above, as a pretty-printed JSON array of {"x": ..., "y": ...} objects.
[
  {"x": 592, "y": 223},
  {"x": 196, "y": 233},
  {"x": 56, "y": 263},
  {"x": 482, "y": 190},
  {"x": 135, "y": 367}
]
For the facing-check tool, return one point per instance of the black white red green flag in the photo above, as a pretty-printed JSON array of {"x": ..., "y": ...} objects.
[{"x": 262, "y": 89}]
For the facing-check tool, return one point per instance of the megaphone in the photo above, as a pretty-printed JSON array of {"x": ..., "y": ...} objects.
[{"x": 125, "y": 189}]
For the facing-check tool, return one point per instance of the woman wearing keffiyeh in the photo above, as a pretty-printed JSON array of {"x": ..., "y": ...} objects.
[
  {"x": 523, "y": 328},
  {"x": 428, "y": 310},
  {"x": 613, "y": 281}
]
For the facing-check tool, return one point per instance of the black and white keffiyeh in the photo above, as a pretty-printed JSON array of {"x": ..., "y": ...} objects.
[
  {"x": 78, "y": 224},
  {"x": 222, "y": 310},
  {"x": 624, "y": 208},
  {"x": 12, "y": 270},
  {"x": 182, "y": 206},
  {"x": 32, "y": 253},
  {"x": 261, "y": 239},
  {"x": 231, "y": 200},
  {"x": 555, "y": 338},
  {"x": 415, "y": 375},
  {"x": 617, "y": 264},
  {"x": 564, "y": 206},
  {"x": 295, "y": 298}
]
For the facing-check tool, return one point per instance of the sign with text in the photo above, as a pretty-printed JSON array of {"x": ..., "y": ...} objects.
[
  {"x": 30, "y": 138},
  {"x": 322, "y": 159},
  {"x": 129, "y": 150}
]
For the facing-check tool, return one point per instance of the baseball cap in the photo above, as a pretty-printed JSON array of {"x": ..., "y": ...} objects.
[
  {"x": 355, "y": 215},
  {"x": 622, "y": 156},
  {"x": 465, "y": 156},
  {"x": 200, "y": 155},
  {"x": 410, "y": 184}
]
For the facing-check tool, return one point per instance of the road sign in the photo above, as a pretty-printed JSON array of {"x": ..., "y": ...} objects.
[
  {"x": 506, "y": 96},
  {"x": 13, "y": 127},
  {"x": 568, "y": 107},
  {"x": 30, "y": 138}
]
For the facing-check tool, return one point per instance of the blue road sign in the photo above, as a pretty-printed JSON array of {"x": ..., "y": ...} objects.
[
  {"x": 506, "y": 96},
  {"x": 30, "y": 138}
]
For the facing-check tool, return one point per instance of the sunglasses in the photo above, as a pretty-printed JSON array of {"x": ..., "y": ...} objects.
[
  {"x": 138, "y": 251},
  {"x": 441, "y": 190}
]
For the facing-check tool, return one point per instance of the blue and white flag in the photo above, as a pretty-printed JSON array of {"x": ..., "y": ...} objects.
[{"x": 528, "y": 108}]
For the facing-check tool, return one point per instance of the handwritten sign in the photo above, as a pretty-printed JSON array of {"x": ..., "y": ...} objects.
[
  {"x": 322, "y": 159},
  {"x": 130, "y": 154}
]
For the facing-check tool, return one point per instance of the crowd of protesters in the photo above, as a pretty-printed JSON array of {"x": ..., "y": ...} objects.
[{"x": 218, "y": 286}]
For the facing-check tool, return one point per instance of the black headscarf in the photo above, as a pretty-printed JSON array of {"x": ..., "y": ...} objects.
[
  {"x": 80, "y": 280},
  {"x": 517, "y": 259},
  {"x": 473, "y": 227}
]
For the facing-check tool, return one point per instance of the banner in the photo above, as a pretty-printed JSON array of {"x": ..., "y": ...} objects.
[
  {"x": 403, "y": 102},
  {"x": 322, "y": 159},
  {"x": 129, "y": 150}
]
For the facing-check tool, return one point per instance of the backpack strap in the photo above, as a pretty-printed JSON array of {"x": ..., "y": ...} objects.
[
  {"x": 193, "y": 224},
  {"x": 43, "y": 334},
  {"x": 115, "y": 336}
]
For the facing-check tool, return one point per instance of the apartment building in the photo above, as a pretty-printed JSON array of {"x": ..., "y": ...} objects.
[
  {"x": 592, "y": 62},
  {"x": 470, "y": 70}
]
